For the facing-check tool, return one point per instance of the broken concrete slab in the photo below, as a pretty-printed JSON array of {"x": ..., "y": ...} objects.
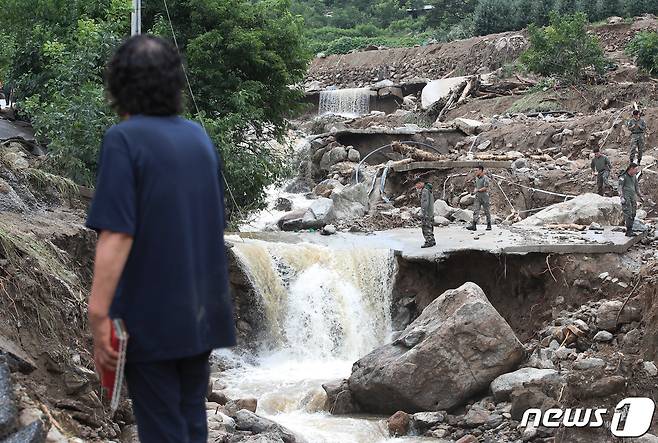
[
  {"x": 468, "y": 126},
  {"x": 406, "y": 242},
  {"x": 439, "y": 89}
]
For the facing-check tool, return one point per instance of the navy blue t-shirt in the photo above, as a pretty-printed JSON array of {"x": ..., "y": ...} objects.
[{"x": 159, "y": 181}]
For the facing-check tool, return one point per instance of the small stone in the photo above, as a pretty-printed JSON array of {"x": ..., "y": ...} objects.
[
  {"x": 218, "y": 397},
  {"x": 603, "y": 336},
  {"x": 468, "y": 439},
  {"x": 329, "y": 230},
  {"x": 604, "y": 275},
  {"x": 584, "y": 364},
  {"x": 398, "y": 424},
  {"x": 529, "y": 433},
  {"x": 650, "y": 368}
]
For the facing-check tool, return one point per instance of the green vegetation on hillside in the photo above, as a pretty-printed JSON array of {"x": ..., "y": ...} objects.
[
  {"x": 340, "y": 26},
  {"x": 241, "y": 57},
  {"x": 644, "y": 47}
]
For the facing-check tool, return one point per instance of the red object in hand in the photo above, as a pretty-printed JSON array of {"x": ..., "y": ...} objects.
[{"x": 112, "y": 380}]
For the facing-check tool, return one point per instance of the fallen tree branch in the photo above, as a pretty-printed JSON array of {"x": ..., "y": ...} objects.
[{"x": 626, "y": 301}]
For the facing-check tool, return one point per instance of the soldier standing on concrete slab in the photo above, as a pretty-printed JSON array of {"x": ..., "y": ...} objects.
[
  {"x": 601, "y": 170},
  {"x": 629, "y": 192},
  {"x": 481, "y": 198},
  {"x": 638, "y": 128},
  {"x": 427, "y": 213}
]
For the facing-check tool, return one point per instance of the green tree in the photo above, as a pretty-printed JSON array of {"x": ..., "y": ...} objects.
[
  {"x": 564, "y": 7},
  {"x": 609, "y": 8},
  {"x": 540, "y": 12},
  {"x": 644, "y": 47},
  {"x": 492, "y": 16},
  {"x": 564, "y": 49}
]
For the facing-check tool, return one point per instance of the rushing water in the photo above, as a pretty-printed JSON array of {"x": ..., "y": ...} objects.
[
  {"x": 345, "y": 102},
  {"x": 323, "y": 310}
]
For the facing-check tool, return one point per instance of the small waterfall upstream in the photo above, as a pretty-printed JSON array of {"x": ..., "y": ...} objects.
[
  {"x": 345, "y": 102},
  {"x": 323, "y": 309}
]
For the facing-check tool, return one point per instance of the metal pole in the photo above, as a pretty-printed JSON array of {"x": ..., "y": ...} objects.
[{"x": 136, "y": 18}]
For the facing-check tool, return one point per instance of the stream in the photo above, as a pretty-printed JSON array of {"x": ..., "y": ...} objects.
[{"x": 322, "y": 309}]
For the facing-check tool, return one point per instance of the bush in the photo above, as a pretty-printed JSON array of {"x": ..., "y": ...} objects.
[
  {"x": 644, "y": 47},
  {"x": 564, "y": 49},
  {"x": 492, "y": 16}
]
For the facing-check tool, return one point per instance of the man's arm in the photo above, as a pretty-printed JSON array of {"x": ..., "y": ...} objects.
[
  {"x": 593, "y": 166},
  {"x": 112, "y": 252},
  {"x": 621, "y": 189}
]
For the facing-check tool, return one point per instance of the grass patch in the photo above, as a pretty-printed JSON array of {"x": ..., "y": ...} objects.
[
  {"x": 535, "y": 102},
  {"x": 44, "y": 180}
]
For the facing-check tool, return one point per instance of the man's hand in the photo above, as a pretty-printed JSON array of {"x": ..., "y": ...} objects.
[
  {"x": 112, "y": 251},
  {"x": 105, "y": 356},
  {"x": 623, "y": 200}
]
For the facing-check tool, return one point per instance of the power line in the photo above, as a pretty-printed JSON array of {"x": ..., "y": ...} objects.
[{"x": 196, "y": 106}]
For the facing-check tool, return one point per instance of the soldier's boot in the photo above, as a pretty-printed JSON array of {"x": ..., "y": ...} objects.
[
  {"x": 629, "y": 230},
  {"x": 473, "y": 227},
  {"x": 428, "y": 245},
  {"x": 489, "y": 226}
]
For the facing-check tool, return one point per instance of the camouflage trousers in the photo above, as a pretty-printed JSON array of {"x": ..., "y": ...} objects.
[
  {"x": 637, "y": 148},
  {"x": 428, "y": 231},
  {"x": 482, "y": 204},
  {"x": 602, "y": 181},
  {"x": 629, "y": 208}
]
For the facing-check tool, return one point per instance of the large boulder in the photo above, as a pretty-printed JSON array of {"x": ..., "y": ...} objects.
[
  {"x": 583, "y": 210},
  {"x": 453, "y": 350},
  {"x": 443, "y": 209},
  {"x": 339, "y": 398},
  {"x": 350, "y": 202},
  {"x": 326, "y": 187},
  {"x": 318, "y": 214}
]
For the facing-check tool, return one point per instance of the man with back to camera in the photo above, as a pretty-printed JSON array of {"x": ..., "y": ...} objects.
[{"x": 160, "y": 260}]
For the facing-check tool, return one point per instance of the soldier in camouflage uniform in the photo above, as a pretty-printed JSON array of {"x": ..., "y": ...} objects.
[
  {"x": 638, "y": 128},
  {"x": 427, "y": 213},
  {"x": 629, "y": 192},
  {"x": 481, "y": 198},
  {"x": 601, "y": 169}
]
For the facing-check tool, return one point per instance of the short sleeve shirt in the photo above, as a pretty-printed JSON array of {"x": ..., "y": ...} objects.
[
  {"x": 481, "y": 182},
  {"x": 159, "y": 180}
]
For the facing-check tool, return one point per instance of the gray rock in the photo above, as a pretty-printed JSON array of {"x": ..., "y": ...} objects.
[
  {"x": 8, "y": 409},
  {"x": 319, "y": 213},
  {"x": 326, "y": 187},
  {"x": 339, "y": 398},
  {"x": 606, "y": 314},
  {"x": 248, "y": 421},
  {"x": 423, "y": 421},
  {"x": 520, "y": 163},
  {"x": 291, "y": 221},
  {"x": 354, "y": 156},
  {"x": 466, "y": 200},
  {"x": 337, "y": 155},
  {"x": 33, "y": 433},
  {"x": 466, "y": 344},
  {"x": 585, "y": 364},
  {"x": 463, "y": 215},
  {"x": 603, "y": 336},
  {"x": 441, "y": 221},
  {"x": 283, "y": 204},
  {"x": 468, "y": 126},
  {"x": 503, "y": 386},
  {"x": 442, "y": 209},
  {"x": 477, "y": 416},
  {"x": 350, "y": 202},
  {"x": 584, "y": 210},
  {"x": 10, "y": 201},
  {"x": 650, "y": 368},
  {"x": 328, "y": 230}
]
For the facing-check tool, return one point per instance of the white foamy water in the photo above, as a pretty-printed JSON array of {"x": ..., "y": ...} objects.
[
  {"x": 323, "y": 309},
  {"x": 345, "y": 102}
]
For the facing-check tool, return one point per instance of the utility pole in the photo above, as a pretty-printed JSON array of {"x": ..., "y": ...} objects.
[{"x": 136, "y": 18}]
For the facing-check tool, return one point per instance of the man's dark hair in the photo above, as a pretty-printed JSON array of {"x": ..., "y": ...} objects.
[
  {"x": 631, "y": 166},
  {"x": 596, "y": 149},
  {"x": 145, "y": 76},
  {"x": 481, "y": 167},
  {"x": 636, "y": 112}
]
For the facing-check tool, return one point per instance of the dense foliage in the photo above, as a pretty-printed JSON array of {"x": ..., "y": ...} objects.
[
  {"x": 644, "y": 47},
  {"x": 241, "y": 58},
  {"x": 339, "y": 26},
  {"x": 564, "y": 49}
]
